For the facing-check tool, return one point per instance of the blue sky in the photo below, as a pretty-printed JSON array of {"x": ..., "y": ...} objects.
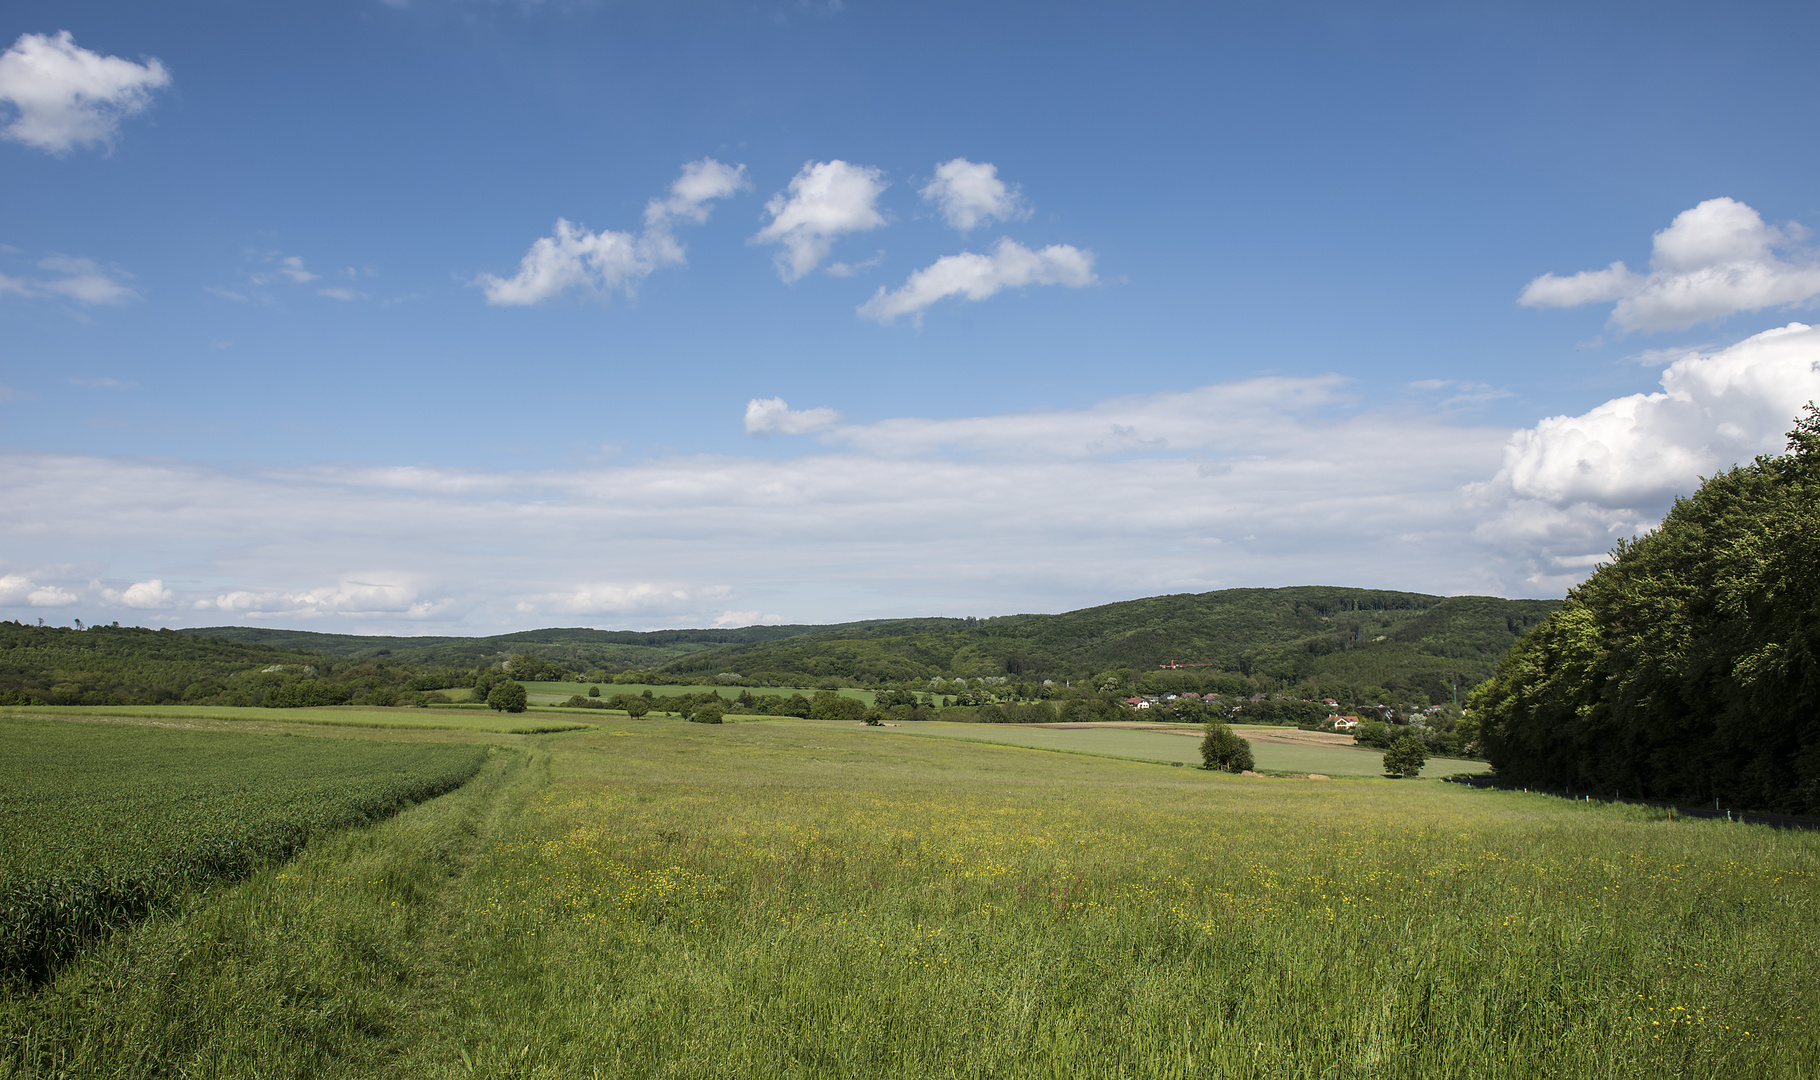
[{"x": 1257, "y": 298}]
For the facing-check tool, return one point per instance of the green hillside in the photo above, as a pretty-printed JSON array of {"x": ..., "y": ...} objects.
[
  {"x": 577, "y": 648},
  {"x": 1315, "y": 634}
]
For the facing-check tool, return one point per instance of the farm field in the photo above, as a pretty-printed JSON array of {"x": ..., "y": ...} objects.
[
  {"x": 664, "y": 899},
  {"x": 102, "y": 823},
  {"x": 550, "y": 693},
  {"x": 352, "y": 716},
  {"x": 1165, "y": 746}
]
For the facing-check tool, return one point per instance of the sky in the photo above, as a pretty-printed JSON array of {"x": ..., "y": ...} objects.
[{"x": 464, "y": 316}]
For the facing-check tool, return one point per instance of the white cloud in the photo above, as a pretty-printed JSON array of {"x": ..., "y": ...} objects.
[
  {"x": 337, "y": 292},
  {"x": 1570, "y": 485},
  {"x": 976, "y": 277},
  {"x": 143, "y": 595},
  {"x": 701, "y": 183},
  {"x": 1714, "y": 260},
  {"x": 574, "y": 258},
  {"x": 1256, "y": 482},
  {"x": 772, "y": 416},
  {"x": 398, "y": 598},
  {"x": 97, "y": 381},
  {"x": 969, "y": 193},
  {"x": 288, "y": 267},
  {"x": 827, "y": 200},
  {"x": 17, "y": 590},
  {"x": 621, "y": 599},
  {"x": 14, "y": 589},
  {"x": 1263, "y": 481},
  {"x": 82, "y": 280},
  {"x": 65, "y": 96}
]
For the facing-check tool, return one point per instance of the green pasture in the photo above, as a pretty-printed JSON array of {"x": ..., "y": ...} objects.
[
  {"x": 549, "y": 693},
  {"x": 664, "y": 899},
  {"x": 1186, "y": 748},
  {"x": 350, "y": 716}
]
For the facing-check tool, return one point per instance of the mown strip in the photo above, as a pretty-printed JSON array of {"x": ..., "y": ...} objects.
[{"x": 100, "y": 824}]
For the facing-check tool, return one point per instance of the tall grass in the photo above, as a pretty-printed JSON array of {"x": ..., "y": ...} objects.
[
  {"x": 758, "y": 902},
  {"x": 658, "y": 899}
]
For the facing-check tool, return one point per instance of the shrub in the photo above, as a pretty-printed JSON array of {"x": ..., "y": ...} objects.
[
  {"x": 1406, "y": 757},
  {"x": 1223, "y": 749},
  {"x": 507, "y": 696}
]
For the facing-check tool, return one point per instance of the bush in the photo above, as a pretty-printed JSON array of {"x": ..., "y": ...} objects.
[
  {"x": 707, "y": 714},
  {"x": 1223, "y": 749},
  {"x": 1406, "y": 757},
  {"x": 507, "y": 696},
  {"x": 829, "y": 705},
  {"x": 593, "y": 691}
]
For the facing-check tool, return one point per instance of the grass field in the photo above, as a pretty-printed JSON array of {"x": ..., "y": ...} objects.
[
  {"x": 662, "y": 899},
  {"x": 549, "y": 693},
  {"x": 1164, "y": 746},
  {"x": 354, "y": 716}
]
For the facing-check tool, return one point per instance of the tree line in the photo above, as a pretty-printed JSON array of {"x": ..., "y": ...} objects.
[{"x": 1688, "y": 666}]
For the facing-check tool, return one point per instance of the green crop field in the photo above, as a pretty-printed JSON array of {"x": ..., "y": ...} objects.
[
  {"x": 1165, "y": 746},
  {"x": 549, "y": 693},
  {"x": 101, "y": 823},
  {"x": 663, "y": 899},
  {"x": 357, "y": 716}
]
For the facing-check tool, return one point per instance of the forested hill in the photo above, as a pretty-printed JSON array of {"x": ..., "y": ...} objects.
[
  {"x": 126, "y": 664},
  {"x": 577, "y": 648},
  {"x": 1314, "y": 634}
]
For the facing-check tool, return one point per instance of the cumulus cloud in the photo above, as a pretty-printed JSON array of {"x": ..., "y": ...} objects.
[
  {"x": 17, "y": 590},
  {"x": 826, "y": 200},
  {"x": 64, "y": 96},
  {"x": 83, "y": 281},
  {"x": 969, "y": 193},
  {"x": 1715, "y": 260},
  {"x": 1569, "y": 485},
  {"x": 144, "y": 595},
  {"x": 597, "y": 263},
  {"x": 976, "y": 277},
  {"x": 772, "y": 416}
]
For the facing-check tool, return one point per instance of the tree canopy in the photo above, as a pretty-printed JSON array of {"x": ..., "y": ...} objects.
[{"x": 1689, "y": 666}]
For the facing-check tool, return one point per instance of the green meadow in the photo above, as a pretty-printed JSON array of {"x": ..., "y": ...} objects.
[
  {"x": 1165, "y": 746},
  {"x": 664, "y": 899},
  {"x": 550, "y": 693}
]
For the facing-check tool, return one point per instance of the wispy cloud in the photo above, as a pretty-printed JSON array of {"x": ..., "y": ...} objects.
[
  {"x": 572, "y": 258},
  {"x": 976, "y": 277},
  {"x": 78, "y": 280}
]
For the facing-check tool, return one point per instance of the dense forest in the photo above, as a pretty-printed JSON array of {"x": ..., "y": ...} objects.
[
  {"x": 1689, "y": 666},
  {"x": 575, "y": 648},
  {"x": 128, "y": 665}
]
